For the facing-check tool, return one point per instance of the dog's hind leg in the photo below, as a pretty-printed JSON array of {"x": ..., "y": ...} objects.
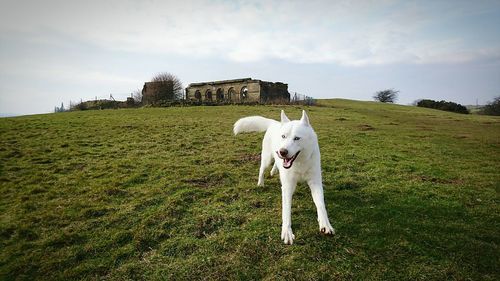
[
  {"x": 265, "y": 161},
  {"x": 274, "y": 169}
]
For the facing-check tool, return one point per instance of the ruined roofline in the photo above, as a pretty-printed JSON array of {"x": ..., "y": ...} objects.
[
  {"x": 222, "y": 82},
  {"x": 241, "y": 80}
]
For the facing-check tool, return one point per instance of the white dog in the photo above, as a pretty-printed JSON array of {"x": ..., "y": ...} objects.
[{"x": 295, "y": 145}]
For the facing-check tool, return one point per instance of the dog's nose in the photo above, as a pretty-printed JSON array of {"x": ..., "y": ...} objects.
[{"x": 283, "y": 152}]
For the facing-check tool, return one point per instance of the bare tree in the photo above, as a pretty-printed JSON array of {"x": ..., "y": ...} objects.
[
  {"x": 60, "y": 109},
  {"x": 137, "y": 95},
  {"x": 389, "y": 95},
  {"x": 178, "y": 89}
]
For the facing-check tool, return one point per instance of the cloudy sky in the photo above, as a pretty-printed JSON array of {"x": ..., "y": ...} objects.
[{"x": 61, "y": 51}]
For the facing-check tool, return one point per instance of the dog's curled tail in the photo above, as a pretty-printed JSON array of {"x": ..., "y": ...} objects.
[{"x": 252, "y": 124}]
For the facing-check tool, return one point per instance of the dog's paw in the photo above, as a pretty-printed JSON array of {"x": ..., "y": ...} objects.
[
  {"x": 260, "y": 183},
  {"x": 326, "y": 228},
  {"x": 287, "y": 236}
]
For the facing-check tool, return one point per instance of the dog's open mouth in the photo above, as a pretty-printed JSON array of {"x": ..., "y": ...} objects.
[{"x": 287, "y": 162}]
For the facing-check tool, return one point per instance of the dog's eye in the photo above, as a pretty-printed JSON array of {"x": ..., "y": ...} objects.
[
  {"x": 283, "y": 136},
  {"x": 296, "y": 138}
]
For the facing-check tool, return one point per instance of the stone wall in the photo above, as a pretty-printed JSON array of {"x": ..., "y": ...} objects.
[
  {"x": 274, "y": 92},
  {"x": 237, "y": 91},
  {"x": 154, "y": 92}
]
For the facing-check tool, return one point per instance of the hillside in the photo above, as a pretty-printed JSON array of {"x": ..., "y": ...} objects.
[{"x": 170, "y": 193}]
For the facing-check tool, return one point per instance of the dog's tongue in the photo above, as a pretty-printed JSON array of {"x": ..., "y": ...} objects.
[{"x": 287, "y": 163}]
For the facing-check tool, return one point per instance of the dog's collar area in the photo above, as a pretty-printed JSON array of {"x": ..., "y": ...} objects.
[{"x": 287, "y": 162}]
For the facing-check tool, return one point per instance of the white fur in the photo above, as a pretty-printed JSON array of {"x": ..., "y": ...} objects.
[
  {"x": 252, "y": 124},
  {"x": 306, "y": 167}
]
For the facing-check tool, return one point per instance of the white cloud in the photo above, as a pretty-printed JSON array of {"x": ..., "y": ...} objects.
[{"x": 353, "y": 33}]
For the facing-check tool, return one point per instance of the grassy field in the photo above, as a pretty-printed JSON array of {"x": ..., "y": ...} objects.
[{"x": 170, "y": 193}]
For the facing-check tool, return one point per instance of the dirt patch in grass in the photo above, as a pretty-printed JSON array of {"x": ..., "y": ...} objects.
[
  {"x": 425, "y": 128},
  {"x": 366, "y": 127},
  {"x": 94, "y": 213},
  {"x": 207, "y": 226},
  {"x": 257, "y": 204}
]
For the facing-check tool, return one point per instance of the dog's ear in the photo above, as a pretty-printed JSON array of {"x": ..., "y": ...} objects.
[
  {"x": 284, "y": 118},
  {"x": 305, "y": 118}
]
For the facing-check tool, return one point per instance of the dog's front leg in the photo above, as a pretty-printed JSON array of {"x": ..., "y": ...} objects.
[
  {"x": 287, "y": 190},
  {"x": 317, "y": 195}
]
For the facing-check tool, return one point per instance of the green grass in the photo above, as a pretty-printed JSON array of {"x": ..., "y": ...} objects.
[{"x": 170, "y": 193}]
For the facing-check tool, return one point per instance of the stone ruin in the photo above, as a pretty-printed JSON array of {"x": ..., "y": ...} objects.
[
  {"x": 238, "y": 91},
  {"x": 155, "y": 92}
]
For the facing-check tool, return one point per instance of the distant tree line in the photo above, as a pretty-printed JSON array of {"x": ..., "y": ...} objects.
[
  {"x": 443, "y": 105},
  {"x": 391, "y": 95},
  {"x": 492, "y": 108}
]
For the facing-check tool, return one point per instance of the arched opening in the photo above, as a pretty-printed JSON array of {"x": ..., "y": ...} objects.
[
  {"x": 208, "y": 95},
  {"x": 219, "y": 94},
  {"x": 197, "y": 95},
  {"x": 244, "y": 93},
  {"x": 231, "y": 93}
]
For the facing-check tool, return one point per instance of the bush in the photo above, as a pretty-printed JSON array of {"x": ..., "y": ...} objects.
[
  {"x": 443, "y": 105},
  {"x": 492, "y": 108}
]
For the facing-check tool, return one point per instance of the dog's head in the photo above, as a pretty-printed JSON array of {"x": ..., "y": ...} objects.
[{"x": 297, "y": 137}]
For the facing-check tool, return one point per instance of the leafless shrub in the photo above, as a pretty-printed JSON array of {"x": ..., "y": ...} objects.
[
  {"x": 178, "y": 89},
  {"x": 137, "y": 96}
]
